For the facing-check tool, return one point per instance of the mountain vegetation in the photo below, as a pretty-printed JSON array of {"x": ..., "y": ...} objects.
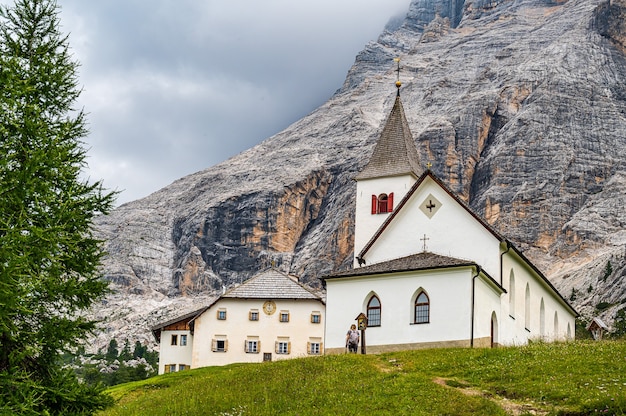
[
  {"x": 578, "y": 378},
  {"x": 49, "y": 256}
]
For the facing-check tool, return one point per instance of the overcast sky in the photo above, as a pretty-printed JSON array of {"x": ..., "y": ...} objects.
[{"x": 175, "y": 86}]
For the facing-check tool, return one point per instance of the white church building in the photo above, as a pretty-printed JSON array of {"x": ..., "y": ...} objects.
[{"x": 429, "y": 272}]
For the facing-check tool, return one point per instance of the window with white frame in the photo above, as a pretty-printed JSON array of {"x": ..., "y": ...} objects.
[
  {"x": 283, "y": 346},
  {"x": 183, "y": 340},
  {"x": 253, "y": 315},
  {"x": 252, "y": 346},
  {"x": 284, "y": 316},
  {"x": 314, "y": 346}
]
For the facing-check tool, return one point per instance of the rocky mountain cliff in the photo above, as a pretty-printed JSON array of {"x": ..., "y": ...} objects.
[{"x": 520, "y": 106}]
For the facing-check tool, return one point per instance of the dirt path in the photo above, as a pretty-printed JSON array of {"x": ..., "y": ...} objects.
[{"x": 512, "y": 408}]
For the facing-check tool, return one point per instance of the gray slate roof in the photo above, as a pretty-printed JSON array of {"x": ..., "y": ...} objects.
[
  {"x": 395, "y": 152},
  {"x": 270, "y": 284},
  {"x": 420, "y": 261}
]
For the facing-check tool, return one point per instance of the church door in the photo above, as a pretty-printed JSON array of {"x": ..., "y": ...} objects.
[{"x": 494, "y": 330}]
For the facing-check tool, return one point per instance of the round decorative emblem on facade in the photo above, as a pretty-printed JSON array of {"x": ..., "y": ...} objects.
[{"x": 269, "y": 307}]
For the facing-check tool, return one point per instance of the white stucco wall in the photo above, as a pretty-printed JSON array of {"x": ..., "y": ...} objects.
[
  {"x": 451, "y": 231},
  {"x": 237, "y": 328},
  {"x": 487, "y": 302},
  {"x": 518, "y": 331},
  {"x": 367, "y": 222},
  {"x": 449, "y": 292},
  {"x": 174, "y": 354}
]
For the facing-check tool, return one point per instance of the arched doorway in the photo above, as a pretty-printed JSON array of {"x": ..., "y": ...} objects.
[{"x": 494, "y": 330}]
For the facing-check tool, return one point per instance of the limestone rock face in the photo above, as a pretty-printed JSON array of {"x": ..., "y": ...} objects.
[{"x": 520, "y": 106}]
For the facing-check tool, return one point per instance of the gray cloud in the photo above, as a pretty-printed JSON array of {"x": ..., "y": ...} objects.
[{"x": 173, "y": 87}]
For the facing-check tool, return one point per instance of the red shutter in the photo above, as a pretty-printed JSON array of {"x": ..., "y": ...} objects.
[
  {"x": 374, "y": 204},
  {"x": 390, "y": 202}
]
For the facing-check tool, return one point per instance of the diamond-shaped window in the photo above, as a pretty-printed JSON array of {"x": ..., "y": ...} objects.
[{"x": 430, "y": 206}]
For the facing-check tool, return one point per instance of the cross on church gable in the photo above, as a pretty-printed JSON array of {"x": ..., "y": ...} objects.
[
  {"x": 424, "y": 239},
  {"x": 430, "y": 205}
]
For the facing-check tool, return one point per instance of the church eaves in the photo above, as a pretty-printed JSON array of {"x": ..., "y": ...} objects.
[{"x": 395, "y": 153}]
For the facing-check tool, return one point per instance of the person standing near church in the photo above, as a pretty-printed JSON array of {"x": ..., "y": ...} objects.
[{"x": 352, "y": 339}]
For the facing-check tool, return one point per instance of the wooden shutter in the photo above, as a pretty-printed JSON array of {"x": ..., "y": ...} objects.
[
  {"x": 249, "y": 315},
  {"x": 390, "y": 202},
  {"x": 214, "y": 345},
  {"x": 258, "y": 346},
  {"x": 321, "y": 348},
  {"x": 308, "y": 348},
  {"x": 276, "y": 347},
  {"x": 374, "y": 204},
  {"x": 289, "y": 347},
  {"x": 245, "y": 346},
  {"x": 225, "y": 345}
]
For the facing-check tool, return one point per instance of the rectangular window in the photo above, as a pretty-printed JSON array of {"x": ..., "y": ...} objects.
[
  {"x": 421, "y": 314},
  {"x": 170, "y": 368},
  {"x": 373, "y": 317},
  {"x": 315, "y": 348},
  {"x": 253, "y": 315},
  {"x": 284, "y": 316},
  {"x": 282, "y": 347},
  {"x": 183, "y": 340},
  {"x": 219, "y": 345},
  {"x": 252, "y": 346},
  {"x": 316, "y": 318},
  {"x": 182, "y": 367},
  {"x": 174, "y": 340},
  {"x": 267, "y": 356},
  {"x": 221, "y": 314}
]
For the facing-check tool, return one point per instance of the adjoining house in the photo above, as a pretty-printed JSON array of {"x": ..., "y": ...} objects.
[
  {"x": 428, "y": 271},
  {"x": 269, "y": 317}
]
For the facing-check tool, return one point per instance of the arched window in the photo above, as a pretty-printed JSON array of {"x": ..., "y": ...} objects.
[
  {"x": 382, "y": 203},
  {"x": 542, "y": 319},
  {"x": 556, "y": 325},
  {"x": 527, "y": 308},
  {"x": 373, "y": 311},
  {"x": 512, "y": 295},
  {"x": 422, "y": 309}
]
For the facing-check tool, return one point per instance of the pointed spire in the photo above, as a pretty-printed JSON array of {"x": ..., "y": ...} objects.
[{"x": 395, "y": 153}]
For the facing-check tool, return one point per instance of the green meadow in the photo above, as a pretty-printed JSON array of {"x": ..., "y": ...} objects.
[{"x": 577, "y": 378}]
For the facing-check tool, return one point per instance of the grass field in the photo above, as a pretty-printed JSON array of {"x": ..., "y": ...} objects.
[{"x": 578, "y": 378}]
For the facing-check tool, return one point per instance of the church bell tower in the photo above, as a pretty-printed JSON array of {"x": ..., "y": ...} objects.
[{"x": 391, "y": 171}]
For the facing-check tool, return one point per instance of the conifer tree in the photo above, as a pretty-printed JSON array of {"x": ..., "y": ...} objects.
[{"x": 49, "y": 256}]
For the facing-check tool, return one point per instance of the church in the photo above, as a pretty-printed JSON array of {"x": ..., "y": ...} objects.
[{"x": 428, "y": 271}]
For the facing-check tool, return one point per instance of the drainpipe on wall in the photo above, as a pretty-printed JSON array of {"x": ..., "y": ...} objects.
[
  {"x": 473, "y": 306},
  {"x": 508, "y": 247}
]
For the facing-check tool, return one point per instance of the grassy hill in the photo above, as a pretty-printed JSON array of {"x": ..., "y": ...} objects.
[{"x": 579, "y": 378}]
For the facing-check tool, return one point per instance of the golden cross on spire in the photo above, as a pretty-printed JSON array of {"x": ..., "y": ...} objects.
[
  {"x": 398, "y": 83},
  {"x": 429, "y": 165}
]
